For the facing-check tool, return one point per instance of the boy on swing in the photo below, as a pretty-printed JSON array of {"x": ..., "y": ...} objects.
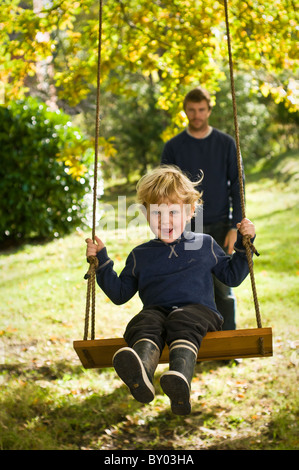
[{"x": 173, "y": 275}]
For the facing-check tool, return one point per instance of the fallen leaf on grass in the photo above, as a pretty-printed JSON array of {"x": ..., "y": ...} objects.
[
  {"x": 212, "y": 432},
  {"x": 8, "y": 330},
  {"x": 294, "y": 359}
]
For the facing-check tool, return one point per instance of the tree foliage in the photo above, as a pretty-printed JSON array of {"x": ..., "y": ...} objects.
[
  {"x": 135, "y": 123},
  {"x": 178, "y": 43},
  {"x": 43, "y": 173},
  {"x": 152, "y": 53}
]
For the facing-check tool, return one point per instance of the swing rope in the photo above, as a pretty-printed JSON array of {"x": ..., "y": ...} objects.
[
  {"x": 93, "y": 261},
  {"x": 249, "y": 247}
]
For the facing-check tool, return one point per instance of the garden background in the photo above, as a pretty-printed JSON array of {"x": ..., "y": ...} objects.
[{"x": 152, "y": 55}]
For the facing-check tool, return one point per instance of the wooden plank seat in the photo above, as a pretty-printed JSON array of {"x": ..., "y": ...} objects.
[{"x": 98, "y": 353}]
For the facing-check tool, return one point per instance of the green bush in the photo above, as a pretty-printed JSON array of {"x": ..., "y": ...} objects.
[{"x": 43, "y": 172}]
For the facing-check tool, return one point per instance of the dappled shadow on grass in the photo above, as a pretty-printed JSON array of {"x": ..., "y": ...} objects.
[
  {"x": 54, "y": 407},
  {"x": 51, "y": 372},
  {"x": 125, "y": 188},
  {"x": 281, "y": 434},
  {"x": 11, "y": 247},
  {"x": 42, "y": 411},
  {"x": 275, "y": 213},
  {"x": 62, "y": 406},
  {"x": 279, "y": 168}
]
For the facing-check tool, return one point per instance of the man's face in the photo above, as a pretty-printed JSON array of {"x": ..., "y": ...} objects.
[{"x": 198, "y": 115}]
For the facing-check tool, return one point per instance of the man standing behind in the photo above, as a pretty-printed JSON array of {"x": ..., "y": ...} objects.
[{"x": 203, "y": 149}]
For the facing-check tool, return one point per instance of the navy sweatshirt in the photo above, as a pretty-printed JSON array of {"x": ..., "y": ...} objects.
[
  {"x": 172, "y": 274},
  {"x": 216, "y": 156}
]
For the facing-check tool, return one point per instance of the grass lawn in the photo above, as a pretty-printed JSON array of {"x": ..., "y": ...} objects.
[{"x": 48, "y": 401}]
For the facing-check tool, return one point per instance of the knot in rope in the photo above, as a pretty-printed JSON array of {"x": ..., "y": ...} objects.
[
  {"x": 90, "y": 276},
  {"x": 93, "y": 264},
  {"x": 247, "y": 243}
]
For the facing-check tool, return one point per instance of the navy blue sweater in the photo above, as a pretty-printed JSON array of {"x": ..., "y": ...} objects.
[
  {"x": 216, "y": 156},
  {"x": 172, "y": 274}
]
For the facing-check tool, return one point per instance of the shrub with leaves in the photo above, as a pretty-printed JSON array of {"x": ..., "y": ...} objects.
[{"x": 43, "y": 172}]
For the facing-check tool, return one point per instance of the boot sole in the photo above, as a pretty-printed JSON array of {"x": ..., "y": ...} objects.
[
  {"x": 175, "y": 385},
  {"x": 131, "y": 371}
]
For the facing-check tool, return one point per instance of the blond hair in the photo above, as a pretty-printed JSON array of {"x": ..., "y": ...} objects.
[{"x": 167, "y": 183}]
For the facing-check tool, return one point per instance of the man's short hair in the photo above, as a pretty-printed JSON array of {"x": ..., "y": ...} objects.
[{"x": 196, "y": 95}]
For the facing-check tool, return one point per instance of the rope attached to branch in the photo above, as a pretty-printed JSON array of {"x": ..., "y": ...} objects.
[
  {"x": 92, "y": 260},
  {"x": 249, "y": 247}
]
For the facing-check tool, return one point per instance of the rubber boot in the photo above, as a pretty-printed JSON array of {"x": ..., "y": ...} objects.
[
  {"x": 136, "y": 366},
  {"x": 176, "y": 383}
]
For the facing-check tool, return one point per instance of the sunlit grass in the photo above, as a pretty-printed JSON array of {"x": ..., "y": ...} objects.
[{"x": 48, "y": 401}]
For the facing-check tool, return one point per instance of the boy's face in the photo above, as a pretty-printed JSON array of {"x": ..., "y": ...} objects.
[{"x": 168, "y": 220}]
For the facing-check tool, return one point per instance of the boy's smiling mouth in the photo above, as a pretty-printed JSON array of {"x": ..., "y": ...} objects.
[
  {"x": 167, "y": 234},
  {"x": 166, "y": 231}
]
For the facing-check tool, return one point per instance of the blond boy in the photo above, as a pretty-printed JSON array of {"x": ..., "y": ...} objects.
[{"x": 173, "y": 274}]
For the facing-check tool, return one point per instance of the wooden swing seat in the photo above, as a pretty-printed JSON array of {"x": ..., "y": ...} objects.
[{"x": 218, "y": 345}]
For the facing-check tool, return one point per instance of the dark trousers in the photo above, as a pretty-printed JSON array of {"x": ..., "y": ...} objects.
[
  {"x": 161, "y": 325},
  {"x": 224, "y": 297}
]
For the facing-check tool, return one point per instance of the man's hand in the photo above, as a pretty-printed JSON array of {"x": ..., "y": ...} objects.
[{"x": 230, "y": 240}]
